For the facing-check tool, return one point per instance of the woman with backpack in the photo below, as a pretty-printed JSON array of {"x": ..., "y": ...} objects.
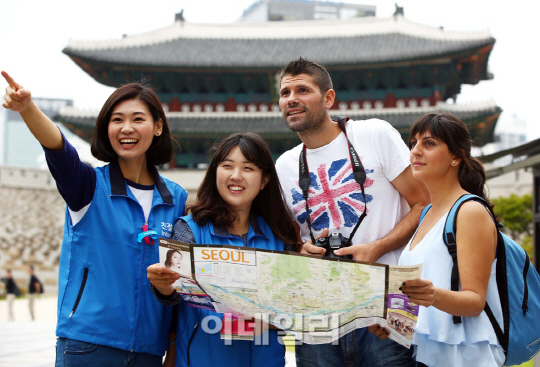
[
  {"x": 440, "y": 157},
  {"x": 239, "y": 203},
  {"x": 107, "y": 314}
]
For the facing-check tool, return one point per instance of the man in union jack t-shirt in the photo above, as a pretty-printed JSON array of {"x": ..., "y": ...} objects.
[{"x": 393, "y": 197}]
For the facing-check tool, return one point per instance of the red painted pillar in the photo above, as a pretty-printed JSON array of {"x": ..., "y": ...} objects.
[
  {"x": 230, "y": 105},
  {"x": 390, "y": 100},
  {"x": 174, "y": 106}
]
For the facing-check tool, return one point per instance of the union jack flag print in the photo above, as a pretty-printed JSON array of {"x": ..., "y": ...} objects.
[{"x": 335, "y": 198}]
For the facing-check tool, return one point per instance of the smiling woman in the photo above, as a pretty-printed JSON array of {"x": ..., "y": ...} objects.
[
  {"x": 132, "y": 127},
  {"x": 113, "y": 214},
  {"x": 239, "y": 182},
  {"x": 242, "y": 180},
  {"x": 239, "y": 203}
]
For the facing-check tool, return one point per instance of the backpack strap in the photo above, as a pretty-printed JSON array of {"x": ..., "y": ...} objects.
[
  {"x": 449, "y": 238},
  {"x": 503, "y": 340},
  {"x": 423, "y": 214}
]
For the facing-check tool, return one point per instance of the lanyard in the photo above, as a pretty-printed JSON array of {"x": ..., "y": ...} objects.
[
  {"x": 147, "y": 236},
  {"x": 359, "y": 175}
]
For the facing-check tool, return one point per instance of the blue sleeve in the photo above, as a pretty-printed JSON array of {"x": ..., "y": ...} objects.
[
  {"x": 170, "y": 300},
  {"x": 76, "y": 181}
]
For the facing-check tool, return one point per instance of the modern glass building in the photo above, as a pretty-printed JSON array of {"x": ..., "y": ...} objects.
[{"x": 17, "y": 144}]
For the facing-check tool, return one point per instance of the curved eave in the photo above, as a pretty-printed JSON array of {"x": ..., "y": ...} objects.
[
  {"x": 333, "y": 53},
  {"x": 271, "y": 45},
  {"x": 98, "y": 68}
]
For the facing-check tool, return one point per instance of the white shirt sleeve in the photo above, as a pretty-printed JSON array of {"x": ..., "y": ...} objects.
[{"x": 393, "y": 153}]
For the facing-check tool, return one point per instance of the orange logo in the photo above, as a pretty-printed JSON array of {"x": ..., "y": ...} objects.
[{"x": 224, "y": 255}]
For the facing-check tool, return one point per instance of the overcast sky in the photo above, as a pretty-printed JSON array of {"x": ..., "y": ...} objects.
[{"x": 34, "y": 32}]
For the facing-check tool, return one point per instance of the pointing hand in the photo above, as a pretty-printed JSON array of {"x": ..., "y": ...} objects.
[{"x": 17, "y": 98}]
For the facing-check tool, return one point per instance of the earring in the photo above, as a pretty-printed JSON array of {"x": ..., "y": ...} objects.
[
  {"x": 453, "y": 162},
  {"x": 158, "y": 134}
]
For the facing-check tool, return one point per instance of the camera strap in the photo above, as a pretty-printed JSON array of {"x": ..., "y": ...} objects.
[{"x": 359, "y": 175}]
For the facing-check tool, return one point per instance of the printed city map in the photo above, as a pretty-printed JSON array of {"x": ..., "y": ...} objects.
[{"x": 314, "y": 299}]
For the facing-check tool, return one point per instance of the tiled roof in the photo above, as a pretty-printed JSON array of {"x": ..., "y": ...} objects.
[
  {"x": 528, "y": 149},
  {"x": 273, "y": 44},
  {"x": 271, "y": 123}
]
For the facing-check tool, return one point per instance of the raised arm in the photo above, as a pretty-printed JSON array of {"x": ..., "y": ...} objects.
[
  {"x": 19, "y": 99},
  {"x": 75, "y": 180}
]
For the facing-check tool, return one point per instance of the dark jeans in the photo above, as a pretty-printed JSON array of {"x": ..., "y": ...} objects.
[
  {"x": 74, "y": 353},
  {"x": 359, "y": 348}
]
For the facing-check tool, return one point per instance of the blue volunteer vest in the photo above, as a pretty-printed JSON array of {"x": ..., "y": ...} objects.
[
  {"x": 208, "y": 349},
  {"x": 103, "y": 292}
]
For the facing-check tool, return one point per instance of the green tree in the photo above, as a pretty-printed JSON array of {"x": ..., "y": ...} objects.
[{"x": 515, "y": 213}]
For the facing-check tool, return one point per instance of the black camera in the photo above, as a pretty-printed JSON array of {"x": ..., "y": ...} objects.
[{"x": 334, "y": 241}]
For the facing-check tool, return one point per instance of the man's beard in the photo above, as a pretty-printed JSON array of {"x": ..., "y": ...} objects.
[{"x": 312, "y": 121}]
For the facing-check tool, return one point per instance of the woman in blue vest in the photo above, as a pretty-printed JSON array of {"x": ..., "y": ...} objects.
[
  {"x": 239, "y": 203},
  {"x": 441, "y": 158},
  {"x": 107, "y": 315}
]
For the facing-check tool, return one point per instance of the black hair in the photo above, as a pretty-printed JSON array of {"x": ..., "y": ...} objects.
[
  {"x": 321, "y": 77},
  {"x": 161, "y": 148}
]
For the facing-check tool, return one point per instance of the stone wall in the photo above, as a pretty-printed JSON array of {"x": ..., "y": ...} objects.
[
  {"x": 32, "y": 222},
  {"x": 31, "y": 225}
]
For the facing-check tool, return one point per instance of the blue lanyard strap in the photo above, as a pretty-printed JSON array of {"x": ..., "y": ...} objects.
[{"x": 148, "y": 237}]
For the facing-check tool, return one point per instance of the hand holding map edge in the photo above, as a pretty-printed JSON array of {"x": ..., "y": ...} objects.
[
  {"x": 380, "y": 332},
  {"x": 162, "y": 278}
]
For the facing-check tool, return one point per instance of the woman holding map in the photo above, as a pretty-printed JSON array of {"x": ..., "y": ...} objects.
[
  {"x": 107, "y": 314},
  {"x": 440, "y": 157},
  {"x": 239, "y": 203}
]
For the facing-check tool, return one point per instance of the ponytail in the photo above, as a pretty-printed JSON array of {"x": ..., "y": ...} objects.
[{"x": 472, "y": 178}]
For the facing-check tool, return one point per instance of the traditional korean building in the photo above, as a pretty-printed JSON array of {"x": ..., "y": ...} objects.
[{"x": 217, "y": 79}]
